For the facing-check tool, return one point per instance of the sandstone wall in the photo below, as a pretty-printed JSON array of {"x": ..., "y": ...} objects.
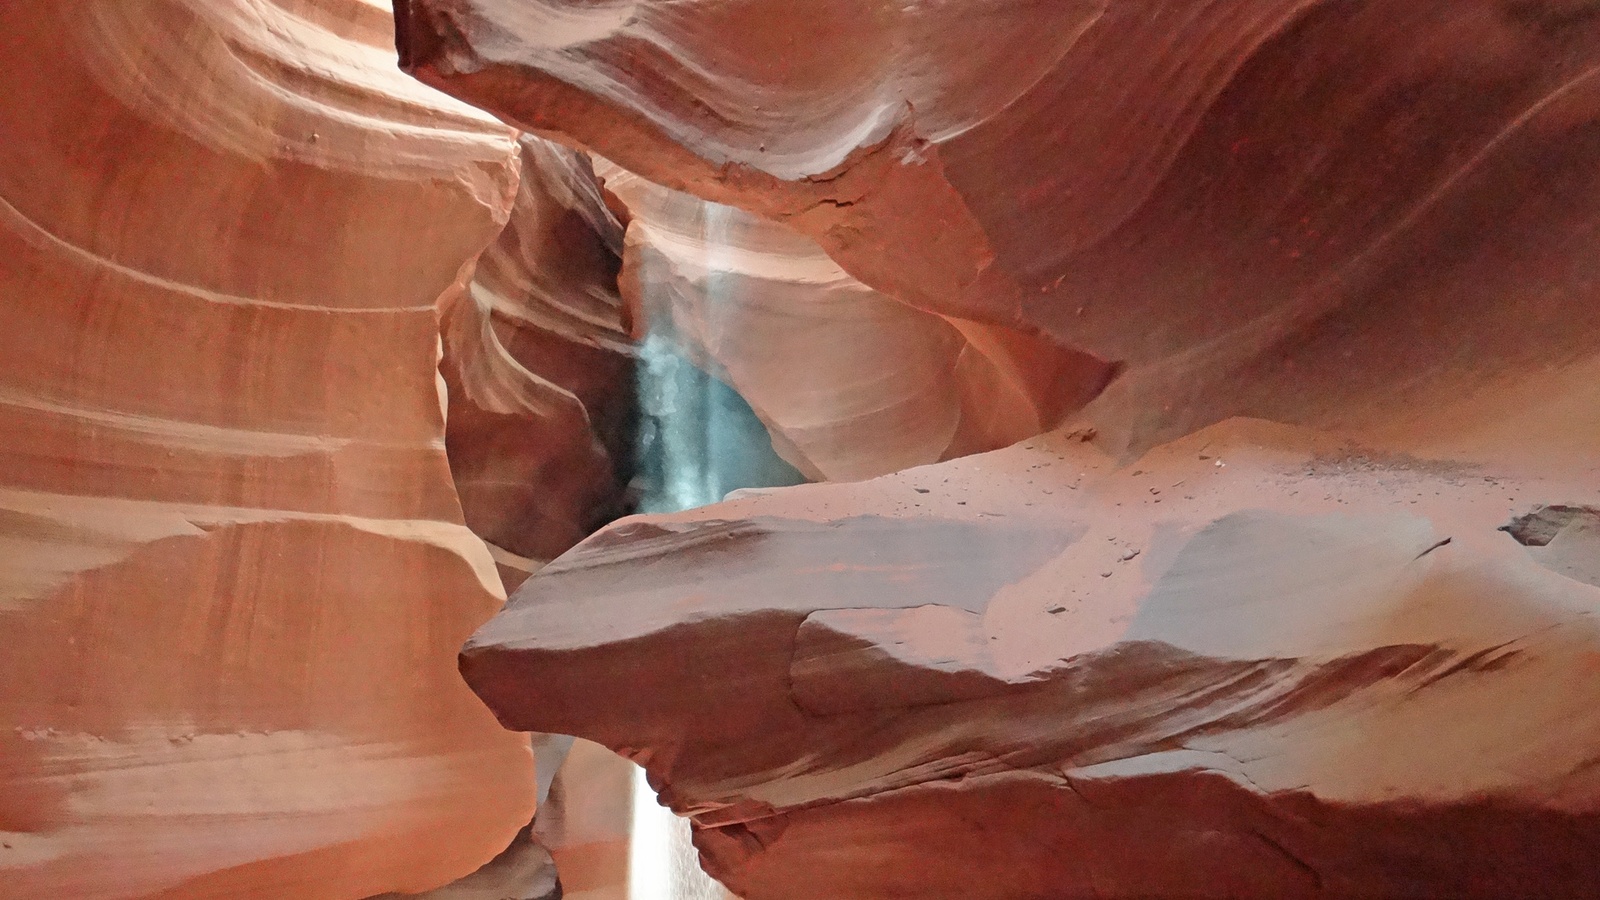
[
  {"x": 1300, "y": 604},
  {"x": 235, "y": 567}
]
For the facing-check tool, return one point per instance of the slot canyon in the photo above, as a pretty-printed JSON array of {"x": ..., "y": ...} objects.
[{"x": 799, "y": 449}]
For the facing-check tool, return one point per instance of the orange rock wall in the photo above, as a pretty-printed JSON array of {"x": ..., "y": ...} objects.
[
  {"x": 235, "y": 567},
  {"x": 1220, "y": 197},
  {"x": 850, "y": 383},
  {"x": 540, "y": 369},
  {"x": 1299, "y": 605}
]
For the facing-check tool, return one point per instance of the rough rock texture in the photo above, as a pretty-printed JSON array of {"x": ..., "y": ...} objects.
[
  {"x": 540, "y": 370},
  {"x": 1224, "y": 196},
  {"x": 232, "y": 565},
  {"x": 1257, "y": 662},
  {"x": 850, "y": 383}
]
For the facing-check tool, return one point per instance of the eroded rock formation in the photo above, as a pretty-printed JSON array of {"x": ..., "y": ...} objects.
[
  {"x": 850, "y": 383},
  {"x": 540, "y": 370},
  {"x": 1248, "y": 625},
  {"x": 587, "y": 823},
  {"x": 1222, "y": 196},
  {"x": 234, "y": 566},
  {"x": 1254, "y": 663}
]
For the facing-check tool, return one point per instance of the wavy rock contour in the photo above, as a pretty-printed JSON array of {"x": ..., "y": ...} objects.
[
  {"x": 850, "y": 383},
  {"x": 1257, "y": 662},
  {"x": 1249, "y": 625},
  {"x": 234, "y": 563},
  {"x": 540, "y": 370},
  {"x": 1220, "y": 196}
]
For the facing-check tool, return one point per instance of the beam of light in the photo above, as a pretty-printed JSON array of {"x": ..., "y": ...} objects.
[
  {"x": 649, "y": 845},
  {"x": 698, "y": 440}
]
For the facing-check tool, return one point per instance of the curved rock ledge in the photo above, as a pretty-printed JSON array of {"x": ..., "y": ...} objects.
[
  {"x": 1257, "y": 662},
  {"x": 234, "y": 567},
  {"x": 850, "y": 383},
  {"x": 1222, "y": 196}
]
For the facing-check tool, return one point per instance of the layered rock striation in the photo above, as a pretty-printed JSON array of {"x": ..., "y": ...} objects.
[
  {"x": 234, "y": 565},
  {"x": 1257, "y": 662},
  {"x": 1248, "y": 624},
  {"x": 850, "y": 383},
  {"x": 539, "y": 363},
  {"x": 1219, "y": 196}
]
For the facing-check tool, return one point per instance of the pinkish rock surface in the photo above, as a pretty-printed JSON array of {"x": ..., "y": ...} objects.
[
  {"x": 587, "y": 822},
  {"x": 1301, "y": 604},
  {"x": 1247, "y": 625},
  {"x": 1223, "y": 197},
  {"x": 539, "y": 366},
  {"x": 233, "y": 569},
  {"x": 1256, "y": 662},
  {"x": 850, "y": 383}
]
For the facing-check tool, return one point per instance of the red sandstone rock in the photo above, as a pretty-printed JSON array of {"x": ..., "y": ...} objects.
[
  {"x": 523, "y": 871},
  {"x": 1153, "y": 655},
  {"x": 587, "y": 823},
  {"x": 850, "y": 383},
  {"x": 540, "y": 370},
  {"x": 233, "y": 563},
  {"x": 1222, "y": 196},
  {"x": 1257, "y": 662}
]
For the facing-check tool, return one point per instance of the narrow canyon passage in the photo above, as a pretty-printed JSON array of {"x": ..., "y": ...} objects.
[
  {"x": 698, "y": 441},
  {"x": 868, "y": 449}
]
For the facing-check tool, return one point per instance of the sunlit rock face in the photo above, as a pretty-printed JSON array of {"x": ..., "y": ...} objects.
[
  {"x": 234, "y": 567},
  {"x": 850, "y": 383},
  {"x": 1222, "y": 196},
  {"x": 1255, "y": 663},
  {"x": 540, "y": 368}
]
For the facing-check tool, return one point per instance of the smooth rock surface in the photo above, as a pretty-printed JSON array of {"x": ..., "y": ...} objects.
[
  {"x": 540, "y": 370},
  {"x": 523, "y": 871},
  {"x": 587, "y": 823},
  {"x": 233, "y": 567},
  {"x": 850, "y": 383},
  {"x": 1223, "y": 197},
  {"x": 1247, "y": 625},
  {"x": 1257, "y": 662}
]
